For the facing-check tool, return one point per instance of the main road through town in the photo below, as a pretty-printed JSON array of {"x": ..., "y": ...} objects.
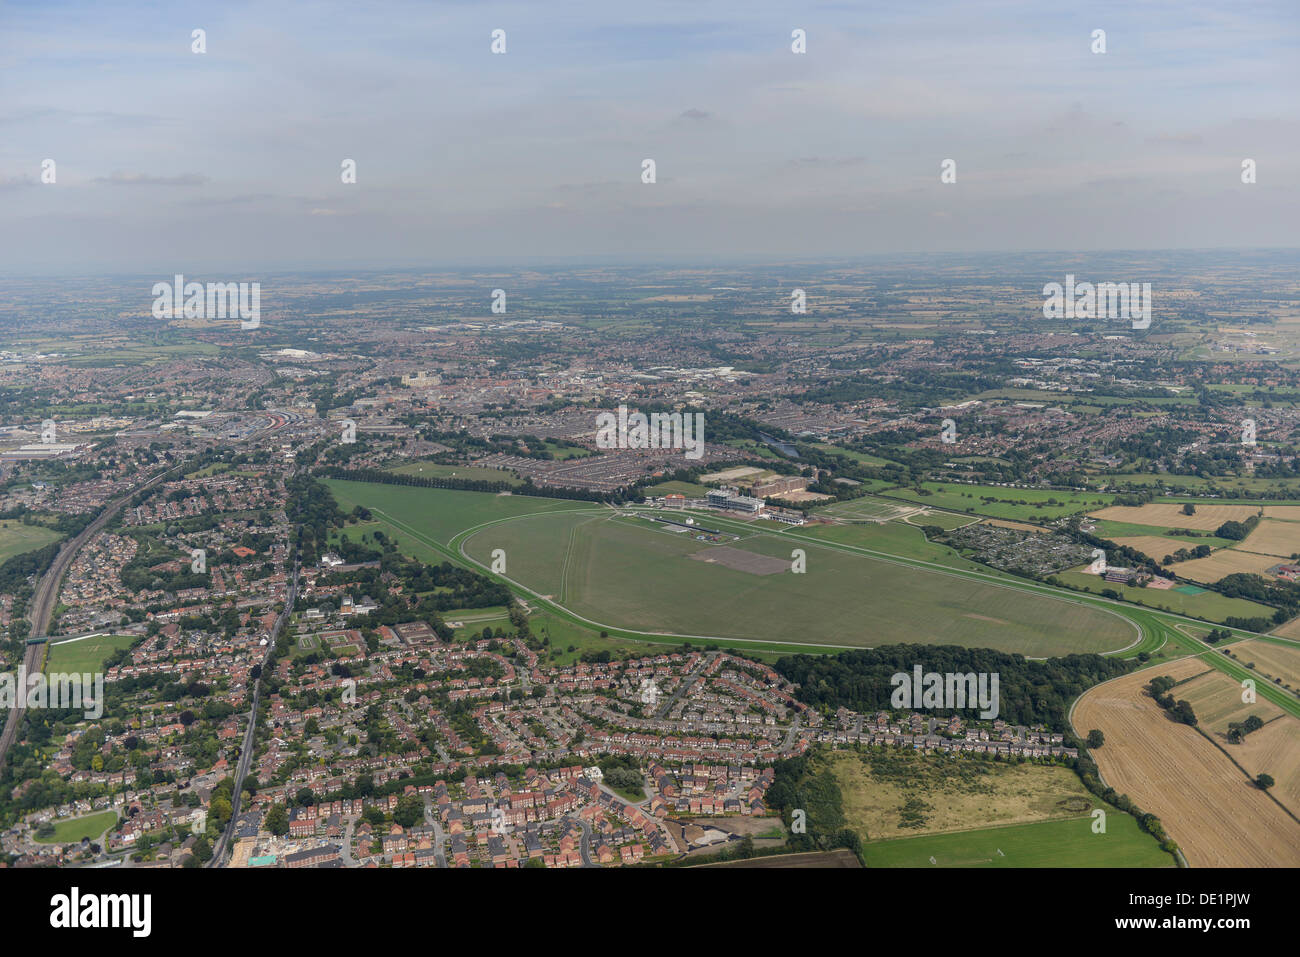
[{"x": 246, "y": 752}]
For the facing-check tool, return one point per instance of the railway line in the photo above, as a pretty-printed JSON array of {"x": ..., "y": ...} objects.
[{"x": 46, "y": 597}]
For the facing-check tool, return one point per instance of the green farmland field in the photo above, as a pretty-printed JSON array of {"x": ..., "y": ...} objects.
[
  {"x": 1068, "y": 842},
  {"x": 434, "y": 470},
  {"x": 1019, "y": 504}
]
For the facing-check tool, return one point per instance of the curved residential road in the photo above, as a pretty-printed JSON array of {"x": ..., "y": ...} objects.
[
  {"x": 585, "y": 845},
  {"x": 46, "y": 596}
]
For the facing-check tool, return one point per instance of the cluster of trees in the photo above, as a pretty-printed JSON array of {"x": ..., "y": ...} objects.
[
  {"x": 1030, "y": 692},
  {"x": 1184, "y": 554},
  {"x": 1282, "y": 594},
  {"x": 1116, "y": 554},
  {"x": 1135, "y": 498},
  {"x": 1237, "y": 531},
  {"x": 313, "y": 509},
  {"x": 623, "y": 772},
  {"x": 379, "y": 476},
  {"x": 811, "y": 805},
  {"x": 139, "y": 573},
  {"x": 1237, "y": 730},
  {"x": 533, "y": 446},
  {"x": 1178, "y": 710},
  {"x": 442, "y": 587},
  {"x": 16, "y": 571}
]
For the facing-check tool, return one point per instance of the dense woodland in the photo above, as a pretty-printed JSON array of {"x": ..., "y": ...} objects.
[{"x": 1030, "y": 692}]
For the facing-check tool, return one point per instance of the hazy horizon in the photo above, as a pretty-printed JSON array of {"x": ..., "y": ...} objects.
[{"x": 171, "y": 161}]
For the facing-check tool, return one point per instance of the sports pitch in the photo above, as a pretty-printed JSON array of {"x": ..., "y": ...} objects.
[
  {"x": 631, "y": 572},
  {"x": 85, "y": 654},
  {"x": 1068, "y": 842}
]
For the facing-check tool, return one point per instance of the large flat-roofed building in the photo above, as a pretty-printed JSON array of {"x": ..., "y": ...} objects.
[
  {"x": 725, "y": 498},
  {"x": 45, "y": 450},
  {"x": 786, "y": 483}
]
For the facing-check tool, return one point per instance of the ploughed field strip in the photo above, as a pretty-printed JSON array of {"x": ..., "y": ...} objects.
[
  {"x": 742, "y": 561},
  {"x": 628, "y": 573}
]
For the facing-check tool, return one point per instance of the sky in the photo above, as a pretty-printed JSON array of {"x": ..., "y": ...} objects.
[{"x": 168, "y": 160}]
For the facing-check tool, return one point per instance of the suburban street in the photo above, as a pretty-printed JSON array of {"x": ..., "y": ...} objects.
[{"x": 246, "y": 751}]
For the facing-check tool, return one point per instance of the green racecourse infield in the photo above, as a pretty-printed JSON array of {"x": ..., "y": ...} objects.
[{"x": 623, "y": 569}]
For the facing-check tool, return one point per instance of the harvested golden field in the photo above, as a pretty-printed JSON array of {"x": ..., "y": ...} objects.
[
  {"x": 1290, "y": 630},
  {"x": 1153, "y": 546},
  {"x": 1290, "y": 513},
  {"x": 1180, "y": 669},
  {"x": 1271, "y": 661},
  {"x": 1205, "y": 802},
  {"x": 1226, "y": 561},
  {"x": 1020, "y": 526},
  {"x": 1170, "y": 515},
  {"x": 1216, "y": 699},
  {"x": 1272, "y": 537},
  {"x": 1274, "y": 750}
]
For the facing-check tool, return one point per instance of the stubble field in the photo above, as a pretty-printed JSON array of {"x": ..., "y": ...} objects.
[{"x": 1206, "y": 803}]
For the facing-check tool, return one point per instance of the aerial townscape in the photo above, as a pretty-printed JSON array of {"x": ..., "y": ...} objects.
[
  {"x": 655, "y": 442},
  {"x": 386, "y": 602}
]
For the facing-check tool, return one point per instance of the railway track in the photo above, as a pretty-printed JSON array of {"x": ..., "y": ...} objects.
[{"x": 46, "y": 597}]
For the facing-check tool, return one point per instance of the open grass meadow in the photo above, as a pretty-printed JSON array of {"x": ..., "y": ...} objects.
[
  {"x": 17, "y": 538},
  {"x": 892, "y": 538},
  {"x": 945, "y": 520},
  {"x": 635, "y": 573},
  {"x": 441, "y": 513}
]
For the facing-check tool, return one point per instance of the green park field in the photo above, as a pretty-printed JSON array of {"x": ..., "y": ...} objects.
[
  {"x": 635, "y": 573},
  {"x": 71, "y": 831},
  {"x": 1068, "y": 842},
  {"x": 1203, "y": 604},
  {"x": 17, "y": 538},
  {"x": 86, "y": 654}
]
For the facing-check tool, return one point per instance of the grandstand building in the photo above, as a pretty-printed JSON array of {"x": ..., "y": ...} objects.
[{"x": 730, "y": 499}]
